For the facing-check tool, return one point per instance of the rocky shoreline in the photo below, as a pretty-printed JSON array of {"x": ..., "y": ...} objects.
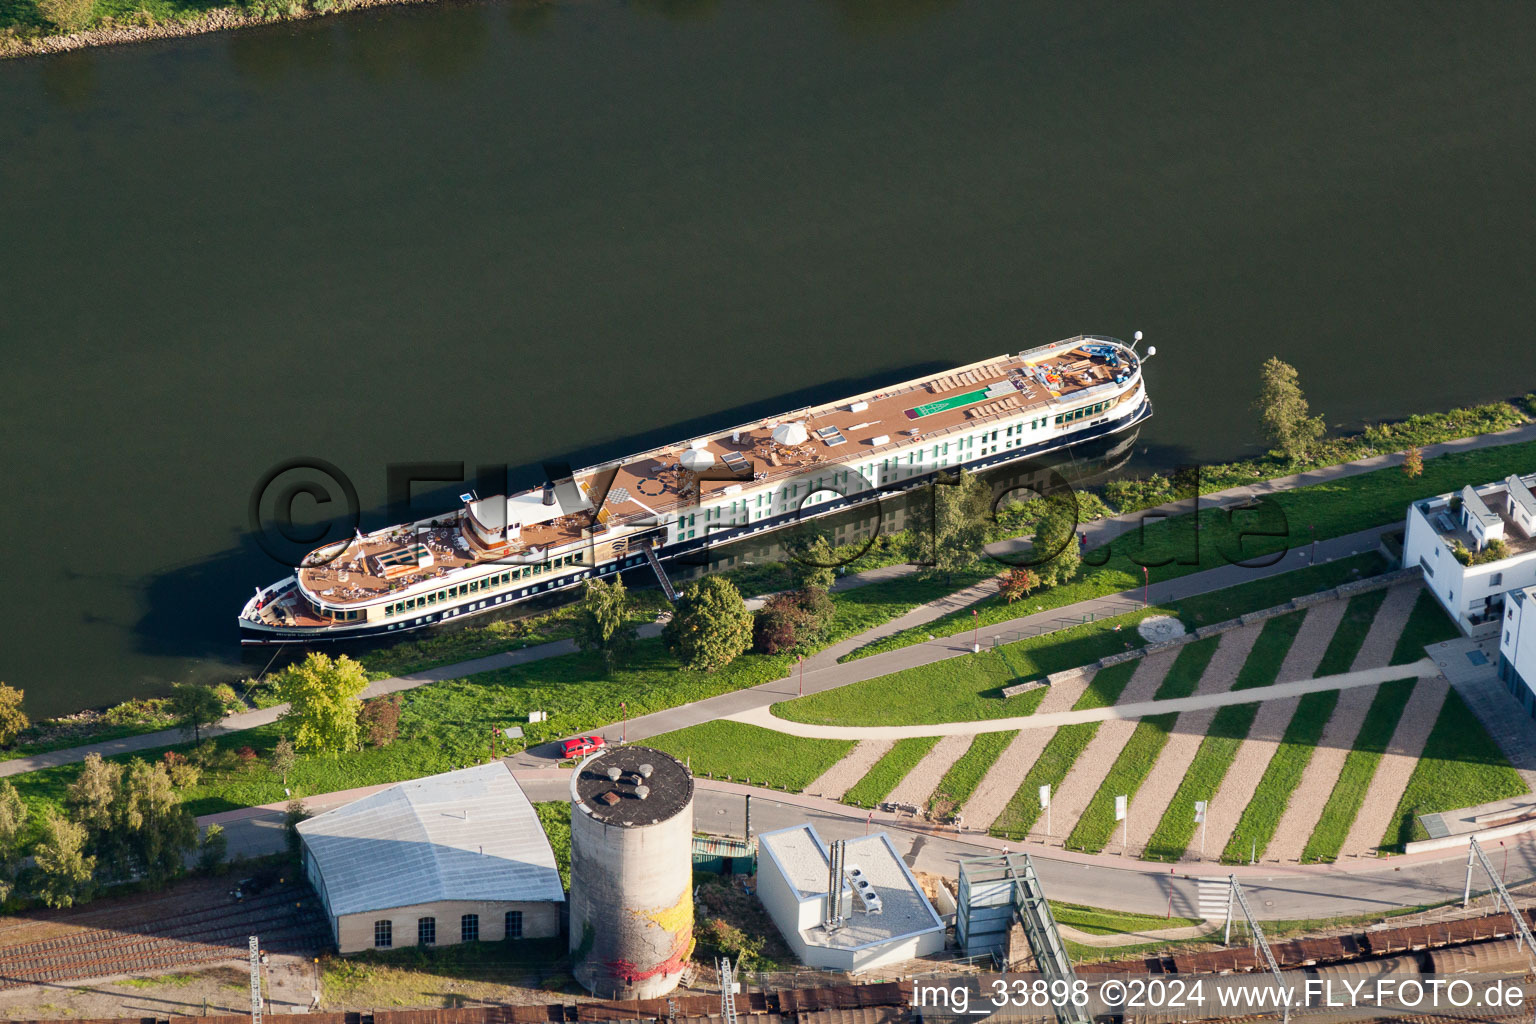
[{"x": 218, "y": 20}]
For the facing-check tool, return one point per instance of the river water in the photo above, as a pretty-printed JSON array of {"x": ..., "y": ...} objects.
[{"x": 508, "y": 233}]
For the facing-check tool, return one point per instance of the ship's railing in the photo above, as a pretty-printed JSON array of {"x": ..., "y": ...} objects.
[{"x": 1128, "y": 387}]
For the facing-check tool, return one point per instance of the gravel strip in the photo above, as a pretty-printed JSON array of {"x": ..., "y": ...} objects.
[
  {"x": 924, "y": 777},
  {"x": 1246, "y": 771},
  {"x": 1163, "y": 781},
  {"x": 1007, "y": 773},
  {"x": 1301, "y": 816},
  {"x": 838, "y": 779},
  {"x": 1396, "y": 766},
  {"x": 1269, "y": 725},
  {"x": 1088, "y": 771},
  {"x": 1387, "y": 627},
  {"x": 1312, "y": 641}
]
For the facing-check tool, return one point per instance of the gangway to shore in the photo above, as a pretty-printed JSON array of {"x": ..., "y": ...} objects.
[{"x": 661, "y": 574}]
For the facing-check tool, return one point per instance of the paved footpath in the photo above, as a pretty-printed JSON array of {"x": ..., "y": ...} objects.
[{"x": 1099, "y": 532}]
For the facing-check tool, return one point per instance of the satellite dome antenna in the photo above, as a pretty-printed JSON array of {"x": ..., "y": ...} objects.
[{"x": 1137, "y": 339}]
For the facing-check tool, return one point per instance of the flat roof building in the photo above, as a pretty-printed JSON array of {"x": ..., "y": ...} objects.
[
  {"x": 885, "y": 918},
  {"x": 449, "y": 858},
  {"x": 1475, "y": 546},
  {"x": 1517, "y": 647}
]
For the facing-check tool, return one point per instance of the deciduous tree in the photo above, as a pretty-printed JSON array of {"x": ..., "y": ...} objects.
[
  {"x": 295, "y": 813},
  {"x": 602, "y": 623},
  {"x": 813, "y": 563},
  {"x": 1284, "y": 419},
  {"x": 1413, "y": 461},
  {"x": 284, "y": 757},
  {"x": 195, "y": 707},
  {"x": 710, "y": 626},
  {"x": 1055, "y": 542},
  {"x": 65, "y": 872},
  {"x": 13, "y": 720},
  {"x": 322, "y": 695},
  {"x": 794, "y": 621},
  {"x": 213, "y": 848},
  {"x": 949, "y": 521},
  {"x": 380, "y": 719},
  {"x": 13, "y": 818}
]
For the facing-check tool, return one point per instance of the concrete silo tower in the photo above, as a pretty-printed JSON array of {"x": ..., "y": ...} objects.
[{"x": 631, "y": 872}]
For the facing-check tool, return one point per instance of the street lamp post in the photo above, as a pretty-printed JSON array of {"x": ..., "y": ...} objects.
[
  {"x": 1146, "y": 587},
  {"x": 624, "y": 727},
  {"x": 1314, "y": 544},
  {"x": 802, "y": 675},
  {"x": 975, "y": 632}
]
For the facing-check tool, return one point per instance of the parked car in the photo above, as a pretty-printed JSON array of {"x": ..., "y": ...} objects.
[{"x": 581, "y": 746}]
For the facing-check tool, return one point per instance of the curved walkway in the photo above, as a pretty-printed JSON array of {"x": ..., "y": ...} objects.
[
  {"x": 1099, "y": 532},
  {"x": 1421, "y": 669}
]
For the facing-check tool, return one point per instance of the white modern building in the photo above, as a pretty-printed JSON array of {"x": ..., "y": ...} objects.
[
  {"x": 450, "y": 858},
  {"x": 1517, "y": 647},
  {"x": 1493, "y": 527},
  {"x": 883, "y": 917}
]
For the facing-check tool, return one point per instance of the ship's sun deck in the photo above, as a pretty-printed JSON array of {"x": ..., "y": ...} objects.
[{"x": 667, "y": 479}]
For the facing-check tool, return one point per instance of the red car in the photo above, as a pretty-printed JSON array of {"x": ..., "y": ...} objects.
[{"x": 581, "y": 746}]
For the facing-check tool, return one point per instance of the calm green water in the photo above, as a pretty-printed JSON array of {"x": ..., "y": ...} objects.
[{"x": 498, "y": 233}]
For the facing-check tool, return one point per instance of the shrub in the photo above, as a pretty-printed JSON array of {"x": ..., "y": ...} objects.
[
  {"x": 793, "y": 621},
  {"x": 380, "y": 719},
  {"x": 13, "y": 720},
  {"x": 69, "y": 15},
  {"x": 140, "y": 711}
]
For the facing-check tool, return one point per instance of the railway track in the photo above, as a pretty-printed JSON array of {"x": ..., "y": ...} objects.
[{"x": 287, "y": 918}]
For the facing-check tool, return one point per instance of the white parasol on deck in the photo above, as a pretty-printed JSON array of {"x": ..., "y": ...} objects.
[
  {"x": 790, "y": 433},
  {"x": 696, "y": 460}
]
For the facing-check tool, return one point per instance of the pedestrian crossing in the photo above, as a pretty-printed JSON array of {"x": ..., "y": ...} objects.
[{"x": 1211, "y": 897}]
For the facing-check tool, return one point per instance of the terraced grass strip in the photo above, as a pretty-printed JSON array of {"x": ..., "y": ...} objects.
[
  {"x": 878, "y": 782},
  {"x": 1097, "y": 823},
  {"x": 1257, "y": 825},
  {"x": 1060, "y": 752},
  {"x": 1177, "y": 828},
  {"x": 1355, "y": 777},
  {"x": 1427, "y": 624},
  {"x": 1461, "y": 767},
  {"x": 1226, "y": 733},
  {"x": 1184, "y": 674},
  {"x": 1350, "y": 635},
  {"x": 957, "y": 785},
  {"x": 749, "y": 752},
  {"x": 1269, "y": 651}
]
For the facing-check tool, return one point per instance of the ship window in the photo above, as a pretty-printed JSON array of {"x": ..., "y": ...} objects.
[
  {"x": 538, "y": 569},
  {"x": 579, "y": 556},
  {"x": 506, "y": 577}
]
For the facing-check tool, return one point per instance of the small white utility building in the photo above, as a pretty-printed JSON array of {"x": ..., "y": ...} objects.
[
  {"x": 1474, "y": 547},
  {"x": 1517, "y": 647},
  {"x": 884, "y": 917},
  {"x": 449, "y": 858}
]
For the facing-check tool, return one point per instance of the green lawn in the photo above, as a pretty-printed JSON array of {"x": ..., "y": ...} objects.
[
  {"x": 885, "y": 773},
  {"x": 1350, "y": 635},
  {"x": 1257, "y": 825},
  {"x": 742, "y": 753},
  {"x": 1427, "y": 624},
  {"x": 1348, "y": 792},
  {"x": 957, "y": 785},
  {"x": 1332, "y": 510},
  {"x": 1060, "y": 752},
  {"x": 555, "y": 816},
  {"x": 1098, "y": 921},
  {"x": 969, "y": 688},
  {"x": 1461, "y": 767}
]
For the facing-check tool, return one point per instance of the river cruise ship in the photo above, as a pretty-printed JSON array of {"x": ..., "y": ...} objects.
[{"x": 764, "y": 475}]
